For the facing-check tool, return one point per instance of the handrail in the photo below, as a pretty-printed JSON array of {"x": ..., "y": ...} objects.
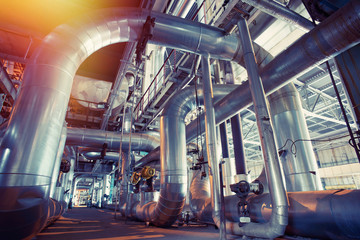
[{"x": 157, "y": 74}]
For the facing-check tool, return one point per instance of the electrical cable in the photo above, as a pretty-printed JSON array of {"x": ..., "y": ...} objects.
[{"x": 293, "y": 149}]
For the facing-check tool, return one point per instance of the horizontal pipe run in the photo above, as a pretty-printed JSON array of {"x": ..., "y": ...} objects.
[
  {"x": 329, "y": 214},
  {"x": 144, "y": 141}
]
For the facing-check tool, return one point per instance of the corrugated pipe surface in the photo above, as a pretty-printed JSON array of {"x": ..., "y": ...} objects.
[
  {"x": 331, "y": 37},
  {"x": 144, "y": 141}
]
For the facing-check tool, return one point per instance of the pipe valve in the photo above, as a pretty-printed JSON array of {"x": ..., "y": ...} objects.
[
  {"x": 135, "y": 178},
  {"x": 243, "y": 188},
  {"x": 147, "y": 172}
]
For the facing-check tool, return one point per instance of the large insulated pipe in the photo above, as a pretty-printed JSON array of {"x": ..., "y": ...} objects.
[
  {"x": 278, "y": 221},
  {"x": 173, "y": 158},
  {"x": 331, "y": 37},
  {"x": 144, "y": 141},
  {"x": 34, "y": 130},
  {"x": 330, "y": 214},
  {"x": 300, "y": 167},
  {"x": 48, "y": 79},
  {"x": 212, "y": 154}
]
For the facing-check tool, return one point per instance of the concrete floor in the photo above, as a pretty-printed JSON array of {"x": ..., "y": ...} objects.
[{"x": 91, "y": 223}]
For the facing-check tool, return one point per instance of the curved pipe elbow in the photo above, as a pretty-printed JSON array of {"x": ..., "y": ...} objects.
[{"x": 274, "y": 228}]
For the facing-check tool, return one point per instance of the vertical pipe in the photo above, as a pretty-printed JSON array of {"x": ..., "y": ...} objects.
[
  {"x": 300, "y": 169},
  {"x": 55, "y": 175},
  {"x": 213, "y": 158},
  {"x": 275, "y": 227}
]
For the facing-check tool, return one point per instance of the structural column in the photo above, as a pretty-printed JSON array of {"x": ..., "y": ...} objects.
[{"x": 239, "y": 152}]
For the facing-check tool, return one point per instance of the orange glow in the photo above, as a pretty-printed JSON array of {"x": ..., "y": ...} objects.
[{"x": 41, "y": 16}]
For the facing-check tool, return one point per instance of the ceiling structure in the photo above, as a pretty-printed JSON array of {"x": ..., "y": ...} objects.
[{"x": 23, "y": 24}]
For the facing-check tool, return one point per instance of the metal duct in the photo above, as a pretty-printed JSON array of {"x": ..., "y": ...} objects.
[
  {"x": 94, "y": 138},
  {"x": 300, "y": 168},
  {"x": 331, "y": 37},
  {"x": 173, "y": 158},
  {"x": 281, "y": 12}
]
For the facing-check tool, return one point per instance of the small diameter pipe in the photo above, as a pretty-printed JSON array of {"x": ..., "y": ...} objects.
[
  {"x": 275, "y": 227},
  {"x": 213, "y": 158}
]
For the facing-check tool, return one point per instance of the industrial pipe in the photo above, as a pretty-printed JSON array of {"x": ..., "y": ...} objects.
[
  {"x": 300, "y": 168},
  {"x": 49, "y": 74},
  {"x": 143, "y": 141},
  {"x": 331, "y": 37},
  {"x": 38, "y": 115},
  {"x": 328, "y": 214},
  {"x": 278, "y": 221},
  {"x": 212, "y": 154},
  {"x": 281, "y": 12},
  {"x": 172, "y": 156}
]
